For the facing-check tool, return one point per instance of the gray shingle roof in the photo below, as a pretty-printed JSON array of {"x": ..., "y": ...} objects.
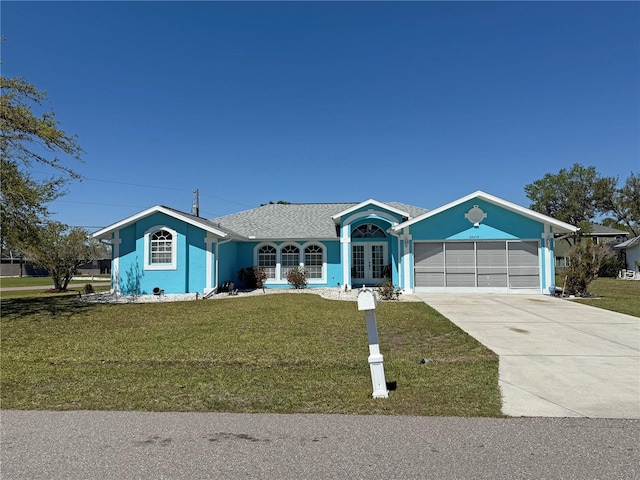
[
  {"x": 597, "y": 229},
  {"x": 300, "y": 221}
]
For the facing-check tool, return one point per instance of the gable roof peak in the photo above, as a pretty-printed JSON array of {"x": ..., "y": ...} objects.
[
  {"x": 374, "y": 202},
  {"x": 171, "y": 212},
  {"x": 562, "y": 226}
]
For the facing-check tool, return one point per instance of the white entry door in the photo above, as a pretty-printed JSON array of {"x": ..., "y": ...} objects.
[{"x": 367, "y": 263}]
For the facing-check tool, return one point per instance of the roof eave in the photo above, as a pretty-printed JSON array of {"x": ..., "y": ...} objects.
[
  {"x": 104, "y": 234},
  {"x": 496, "y": 201}
]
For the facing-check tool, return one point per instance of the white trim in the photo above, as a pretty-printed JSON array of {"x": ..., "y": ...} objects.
[
  {"x": 372, "y": 281},
  {"x": 209, "y": 241},
  {"x": 147, "y": 251},
  {"x": 562, "y": 226},
  {"x": 370, "y": 214},
  {"x": 345, "y": 241},
  {"x": 256, "y": 249},
  {"x": 407, "y": 244},
  {"x": 116, "y": 241},
  {"x": 323, "y": 278},
  {"x": 371, "y": 201},
  {"x": 200, "y": 223},
  {"x": 283, "y": 278},
  {"x": 477, "y": 289},
  {"x": 549, "y": 260}
]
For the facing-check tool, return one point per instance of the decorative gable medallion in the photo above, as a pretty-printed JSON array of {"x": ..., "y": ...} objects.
[{"x": 475, "y": 215}]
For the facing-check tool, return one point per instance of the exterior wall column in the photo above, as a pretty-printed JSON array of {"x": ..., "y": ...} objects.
[
  {"x": 345, "y": 242},
  {"x": 209, "y": 259},
  {"x": 406, "y": 260},
  {"x": 115, "y": 275},
  {"x": 548, "y": 258}
]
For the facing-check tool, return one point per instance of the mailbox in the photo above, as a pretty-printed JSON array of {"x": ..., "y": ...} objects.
[{"x": 366, "y": 299}]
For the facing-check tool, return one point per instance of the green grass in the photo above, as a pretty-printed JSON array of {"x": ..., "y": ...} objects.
[
  {"x": 46, "y": 293},
  {"x": 621, "y": 296},
  {"x": 273, "y": 353},
  {"x": 8, "y": 282}
]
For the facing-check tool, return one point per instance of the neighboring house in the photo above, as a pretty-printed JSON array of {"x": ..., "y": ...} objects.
[
  {"x": 598, "y": 234},
  {"x": 478, "y": 243},
  {"x": 631, "y": 253}
]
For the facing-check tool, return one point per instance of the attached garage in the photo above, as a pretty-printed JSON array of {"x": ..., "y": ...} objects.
[{"x": 500, "y": 266}]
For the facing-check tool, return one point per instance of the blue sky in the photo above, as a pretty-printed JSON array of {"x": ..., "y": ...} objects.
[{"x": 416, "y": 102}]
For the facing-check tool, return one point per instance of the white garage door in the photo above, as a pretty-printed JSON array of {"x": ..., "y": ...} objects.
[{"x": 491, "y": 266}]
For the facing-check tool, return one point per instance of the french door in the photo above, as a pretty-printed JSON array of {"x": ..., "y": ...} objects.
[{"x": 367, "y": 263}]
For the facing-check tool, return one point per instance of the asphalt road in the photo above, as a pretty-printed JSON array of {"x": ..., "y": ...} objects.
[{"x": 136, "y": 445}]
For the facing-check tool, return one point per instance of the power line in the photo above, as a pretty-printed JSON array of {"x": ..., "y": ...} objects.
[{"x": 165, "y": 188}]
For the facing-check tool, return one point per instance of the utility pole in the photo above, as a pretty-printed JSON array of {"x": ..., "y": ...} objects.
[{"x": 195, "y": 208}]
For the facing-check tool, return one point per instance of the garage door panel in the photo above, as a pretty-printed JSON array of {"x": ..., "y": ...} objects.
[
  {"x": 524, "y": 281},
  {"x": 483, "y": 265},
  {"x": 429, "y": 279},
  {"x": 461, "y": 279},
  {"x": 491, "y": 254},
  {"x": 429, "y": 255},
  {"x": 492, "y": 279}
]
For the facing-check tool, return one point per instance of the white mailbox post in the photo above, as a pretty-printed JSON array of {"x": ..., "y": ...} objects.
[{"x": 367, "y": 302}]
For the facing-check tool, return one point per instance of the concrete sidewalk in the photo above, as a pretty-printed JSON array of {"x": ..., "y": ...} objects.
[{"x": 557, "y": 358}]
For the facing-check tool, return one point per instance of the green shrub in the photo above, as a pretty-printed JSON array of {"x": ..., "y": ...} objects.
[
  {"x": 88, "y": 288},
  {"x": 247, "y": 277},
  {"x": 585, "y": 262},
  {"x": 252, "y": 277},
  {"x": 297, "y": 277},
  {"x": 611, "y": 266},
  {"x": 388, "y": 290}
]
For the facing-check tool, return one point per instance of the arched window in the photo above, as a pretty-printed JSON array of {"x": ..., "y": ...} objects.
[
  {"x": 161, "y": 247},
  {"x": 267, "y": 260},
  {"x": 313, "y": 260},
  {"x": 368, "y": 231},
  {"x": 289, "y": 259}
]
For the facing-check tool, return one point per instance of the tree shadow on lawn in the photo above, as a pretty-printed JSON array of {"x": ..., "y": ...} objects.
[{"x": 65, "y": 306}]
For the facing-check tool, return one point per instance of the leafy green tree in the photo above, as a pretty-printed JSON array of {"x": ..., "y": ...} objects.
[
  {"x": 624, "y": 204},
  {"x": 279, "y": 202},
  {"x": 575, "y": 196},
  {"x": 28, "y": 138},
  {"x": 61, "y": 251}
]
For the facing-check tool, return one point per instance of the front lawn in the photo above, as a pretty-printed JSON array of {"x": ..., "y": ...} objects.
[
  {"x": 274, "y": 353},
  {"x": 617, "y": 295},
  {"x": 8, "y": 282}
]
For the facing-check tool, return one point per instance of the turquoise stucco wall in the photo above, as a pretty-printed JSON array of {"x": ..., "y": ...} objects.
[
  {"x": 236, "y": 255},
  {"x": 499, "y": 224},
  {"x": 227, "y": 263},
  {"x": 189, "y": 274},
  {"x": 383, "y": 219}
]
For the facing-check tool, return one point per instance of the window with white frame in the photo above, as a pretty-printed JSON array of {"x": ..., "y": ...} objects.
[
  {"x": 267, "y": 260},
  {"x": 313, "y": 260},
  {"x": 289, "y": 259},
  {"x": 160, "y": 249}
]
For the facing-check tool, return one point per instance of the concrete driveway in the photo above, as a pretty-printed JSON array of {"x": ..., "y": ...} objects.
[{"x": 557, "y": 358}]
